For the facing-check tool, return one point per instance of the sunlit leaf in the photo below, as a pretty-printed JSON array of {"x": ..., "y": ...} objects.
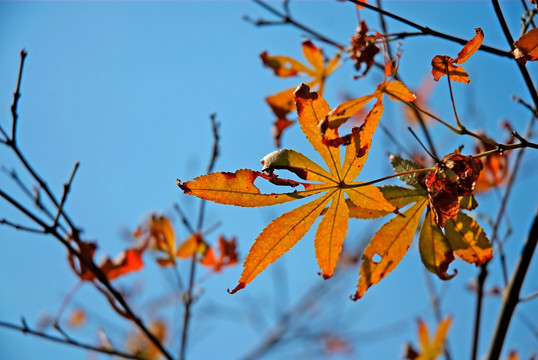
[
  {"x": 444, "y": 65},
  {"x": 468, "y": 240},
  {"x": 526, "y": 47},
  {"x": 278, "y": 237},
  {"x": 330, "y": 234},
  {"x": 387, "y": 247},
  {"x": 435, "y": 251}
]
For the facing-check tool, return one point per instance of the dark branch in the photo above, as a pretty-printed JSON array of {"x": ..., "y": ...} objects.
[
  {"x": 428, "y": 31},
  {"x": 67, "y": 341}
]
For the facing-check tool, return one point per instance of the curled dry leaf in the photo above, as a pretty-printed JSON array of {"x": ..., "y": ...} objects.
[
  {"x": 364, "y": 48},
  {"x": 445, "y": 65},
  {"x": 526, "y": 47},
  {"x": 455, "y": 176}
]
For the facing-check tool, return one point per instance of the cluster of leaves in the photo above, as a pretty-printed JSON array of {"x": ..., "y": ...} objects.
[
  {"x": 159, "y": 233},
  {"x": 445, "y": 189}
]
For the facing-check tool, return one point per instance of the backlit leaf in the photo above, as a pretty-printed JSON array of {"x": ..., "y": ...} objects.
[
  {"x": 278, "y": 237},
  {"x": 434, "y": 248},
  {"x": 468, "y": 240},
  {"x": 387, "y": 247},
  {"x": 471, "y": 47},
  {"x": 444, "y": 65},
  {"x": 311, "y": 109},
  {"x": 402, "y": 165},
  {"x": 526, "y": 47},
  {"x": 398, "y": 91},
  {"x": 330, "y": 234},
  {"x": 237, "y": 189}
]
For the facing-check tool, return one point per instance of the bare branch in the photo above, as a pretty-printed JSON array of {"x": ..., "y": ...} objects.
[
  {"x": 68, "y": 341},
  {"x": 511, "y": 294}
]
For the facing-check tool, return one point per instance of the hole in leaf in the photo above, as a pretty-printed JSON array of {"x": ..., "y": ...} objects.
[{"x": 376, "y": 258}]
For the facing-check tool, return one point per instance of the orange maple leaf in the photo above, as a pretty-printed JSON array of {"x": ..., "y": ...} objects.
[
  {"x": 430, "y": 349},
  {"x": 445, "y": 65},
  {"x": 526, "y": 47},
  {"x": 283, "y": 102},
  {"x": 285, "y": 231}
]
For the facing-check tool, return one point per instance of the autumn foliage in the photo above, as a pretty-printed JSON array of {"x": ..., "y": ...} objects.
[{"x": 427, "y": 194}]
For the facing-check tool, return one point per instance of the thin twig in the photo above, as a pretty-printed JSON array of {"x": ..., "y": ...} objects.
[
  {"x": 20, "y": 227},
  {"x": 93, "y": 268},
  {"x": 16, "y": 97},
  {"x": 26, "y": 330},
  {"x": 287, "y": 19},
  {"x": 67, "y": 187}
]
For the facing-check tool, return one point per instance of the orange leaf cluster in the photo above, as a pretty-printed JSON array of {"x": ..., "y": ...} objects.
[
  {"x": 126, "y": 262},
  {"x": 282, "y": 103},
  {"x": 160, "y": 235},
  {"x": 526, "y": 47},
  {"x": 195, "y": 244},
  {"x": 445, "y": 65}
]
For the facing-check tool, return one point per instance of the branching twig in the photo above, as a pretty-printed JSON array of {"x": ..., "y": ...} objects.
[
  {"x": 287, "y": 19},
  {"x": 62, "y": 340}
]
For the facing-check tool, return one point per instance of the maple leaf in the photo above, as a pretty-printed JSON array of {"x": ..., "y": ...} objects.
[
  {"x": 445, "y": 65},
  {"x": 337, "y": 183},
  {"x": 430, "y": 349},
  {"x": 126, "y": 262},
  {"x": 283, "y": 102},
  {"x": 463, "y": 236},
  {"x": 526, "y": 47}
]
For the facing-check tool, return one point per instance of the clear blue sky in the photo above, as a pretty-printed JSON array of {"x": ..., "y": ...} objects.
[{"x": 126, "y": 88}]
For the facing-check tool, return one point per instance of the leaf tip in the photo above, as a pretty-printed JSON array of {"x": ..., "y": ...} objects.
[
  {"x": 325, "y": 276},
  {"x": 239, "y": 286},
  {"x": 355, "y": 296},
  {"x": 182, "y": 186},
  {"x": 445, "y": 276}
]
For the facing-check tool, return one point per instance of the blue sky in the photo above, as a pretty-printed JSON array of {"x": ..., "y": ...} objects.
[{"x": 127, "y": 88}]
